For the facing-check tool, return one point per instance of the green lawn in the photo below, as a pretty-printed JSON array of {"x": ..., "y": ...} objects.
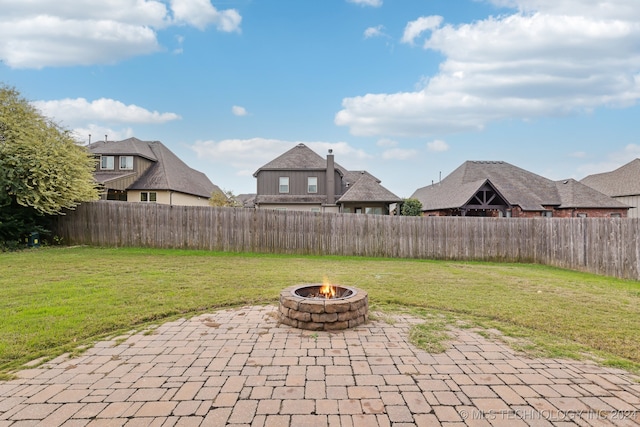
[{"x": 56, "y": 299}]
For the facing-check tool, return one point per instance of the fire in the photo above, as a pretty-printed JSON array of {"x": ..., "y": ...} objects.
[{"x": 327, "y": 290}]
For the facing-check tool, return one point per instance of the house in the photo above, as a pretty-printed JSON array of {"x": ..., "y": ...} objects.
[
  {"x": 147, "y": 171},
  {"x": 494, "y": 188},
  {"x": 300, "y": 179},
  {"x": 623, "y": 184}
]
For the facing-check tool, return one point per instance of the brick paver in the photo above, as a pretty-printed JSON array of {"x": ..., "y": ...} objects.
[{"x": 240, "y": 367}]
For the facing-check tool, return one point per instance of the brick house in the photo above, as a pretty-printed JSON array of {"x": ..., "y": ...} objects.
[
  {"x": 147, "y": 171},
  {"x": 300, "y": 179},
  {"x": 499, "y": 189}
]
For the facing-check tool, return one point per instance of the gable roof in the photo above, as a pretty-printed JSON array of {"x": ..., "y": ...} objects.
[
  {"x": 368, "y": 189},
  {"x": 299, "y": 157},
  {"x": 167, "y": 172},
  {"x": 517, "y": 186},
  {"x": 624, "y": 181},
  {"x": 127, "y": 147}
]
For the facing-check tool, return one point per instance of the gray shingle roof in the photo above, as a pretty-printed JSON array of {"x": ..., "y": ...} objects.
[
  {"x": 127, "y": 147},
  {"x": 577, "y": 195},
  {"x": 168, "y": 172},
  {"x": 103, "y": 178},
  {"x": 624, "y": 181},
  {"x": 519, "y": 188},
  {"x": 299, "y": 157},
  {"x": 368, "y": 189}
]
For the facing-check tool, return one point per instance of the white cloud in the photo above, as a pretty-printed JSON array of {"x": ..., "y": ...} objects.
[
  {"x": 79, "y": 111},
  {"x": 612, "y": 161},
  {"x": 608, "y": 9},
  {"x": 399, "y": 154},
  {"x": 201, "y": 13},
  {"x": 43, "y": 33},
  {"x": 376, "y": 31},
  {"x": 238, "y": 111},
  {"x": 250, "y": 154},
  {"x": 437, "y": 146},
  {"x": 578, "y": 154},
  {"x": 93, "y": 133},
  {"x": 526, "y": 65},
  {"x": 386, "y": 142},
  {"x": 419, "y": 26},
  {"x": 180, "y": 41},
  {"x": 372, "y": 3}
]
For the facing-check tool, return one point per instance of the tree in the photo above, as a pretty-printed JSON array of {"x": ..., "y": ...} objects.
[
  {"x": 224, "y": 198},
  {"x": 411, "y": 207},
  {"x": 42, "y": 169}
]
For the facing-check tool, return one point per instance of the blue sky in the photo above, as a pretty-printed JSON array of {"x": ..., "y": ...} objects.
[{"x": 406, "y": 89}]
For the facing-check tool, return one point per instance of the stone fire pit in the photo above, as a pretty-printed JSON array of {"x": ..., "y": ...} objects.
[{"x": 314, "y": 308}]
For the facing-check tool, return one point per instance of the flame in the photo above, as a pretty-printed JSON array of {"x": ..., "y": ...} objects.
[{"x": 327, "y": 290}]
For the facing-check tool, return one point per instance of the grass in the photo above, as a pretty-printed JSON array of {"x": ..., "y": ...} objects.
[{"x": 55, "y": 300}]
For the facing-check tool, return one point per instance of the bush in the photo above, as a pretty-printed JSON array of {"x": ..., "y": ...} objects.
[{"x": 411, "y": 207}]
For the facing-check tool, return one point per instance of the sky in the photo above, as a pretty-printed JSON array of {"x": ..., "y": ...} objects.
[{"x": 405, "y": 89}]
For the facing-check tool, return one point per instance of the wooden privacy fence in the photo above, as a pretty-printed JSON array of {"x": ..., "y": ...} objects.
[{"x": 603, "y": 246}]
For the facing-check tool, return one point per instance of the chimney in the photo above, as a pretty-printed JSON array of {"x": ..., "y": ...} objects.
[{"x": 331, "y": 181}]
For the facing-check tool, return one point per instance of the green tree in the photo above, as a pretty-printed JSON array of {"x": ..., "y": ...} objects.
[
  {"x": 42, "y": 169},
  {"x": 411, "y": 207},
  {"x": 224, "y": 198}
]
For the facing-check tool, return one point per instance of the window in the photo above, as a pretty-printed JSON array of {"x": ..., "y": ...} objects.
[
  {"x": 284, "y": 184},
  {"x": 582, "y": 215},
  {"x": 547, "y": 214},
  {"x": 315, "y": 209},
  {"x": 312, "y": 184},
  {"x": 106, "y": 162},
  {"x": 149, "y": 197},
  {"x": 616, "y": 215},
  {"x": 126, "y": 162},
  {"x": 373, "y": 211}
]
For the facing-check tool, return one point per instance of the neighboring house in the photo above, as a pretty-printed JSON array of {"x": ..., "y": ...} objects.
[
  {"x": 300, "y": 179},
  {"x": 623, "y": 184},
  {"x": 246, "y": 200},
  {"x": 146, "y": 171},
  {"x": 488, "y": 188}
]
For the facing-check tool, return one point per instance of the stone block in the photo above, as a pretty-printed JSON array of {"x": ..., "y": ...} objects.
[
  {"x": 300, "y": 315},
  {"x": 324, "y": 317},
  {"x": 338, "y": 306},
  {"x": 349, "y": 315},
  {"x": 289, "y": 302},
  {"x": 311, "y": 306}
]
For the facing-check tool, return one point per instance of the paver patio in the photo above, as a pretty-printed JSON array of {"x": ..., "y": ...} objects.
[{"x": 241, "y": 368}]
